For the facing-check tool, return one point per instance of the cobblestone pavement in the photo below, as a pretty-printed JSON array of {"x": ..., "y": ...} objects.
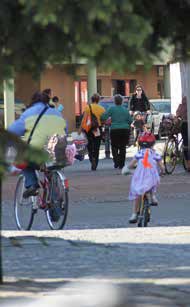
[{"x": 148, "y": 266}]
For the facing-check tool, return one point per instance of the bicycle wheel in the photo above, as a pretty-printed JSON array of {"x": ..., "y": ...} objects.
[
  {"x": 141, "y": 212},
  {"x": 23, "y": 208},
  {"x": 146, "y": 218},
  {"x": 170, "y": 155},
  {"x": 57, "y": 201}
]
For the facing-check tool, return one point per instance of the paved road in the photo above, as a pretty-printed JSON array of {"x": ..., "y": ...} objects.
[{"x": 99, "y": 245}]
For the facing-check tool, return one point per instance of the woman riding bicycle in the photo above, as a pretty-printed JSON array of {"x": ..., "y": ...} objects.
[
  {"x": 50, "y": 123},
  {"x": 146, "y": 177}
]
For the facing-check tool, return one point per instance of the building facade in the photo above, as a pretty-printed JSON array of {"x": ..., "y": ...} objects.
[{"x": 72, "y": 88}]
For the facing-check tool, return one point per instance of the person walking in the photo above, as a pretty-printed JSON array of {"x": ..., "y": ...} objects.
[
  {"x": 181, "y": 112},
  {"x": 139, "y": 101},
  {"x": 93, "y": 135},
  {"x": 120, "y": 130}
]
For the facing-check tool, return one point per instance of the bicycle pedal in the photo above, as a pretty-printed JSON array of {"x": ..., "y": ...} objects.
[{"x": 154, "y": 204}]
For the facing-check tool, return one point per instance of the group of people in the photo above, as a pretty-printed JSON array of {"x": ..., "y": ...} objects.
[
  {"x": 121, "y": 122},
  {"x": 43, "y": 118}
]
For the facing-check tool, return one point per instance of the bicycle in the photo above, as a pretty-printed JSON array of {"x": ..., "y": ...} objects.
[
  {"x": 144, "y": 214},
  {"x": 174, "y": 149},
  {"x": 52, "y": 198}
]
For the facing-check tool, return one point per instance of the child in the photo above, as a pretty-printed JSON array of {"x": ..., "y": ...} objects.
[
  {"x": 146, "y": 176},
  {"x": 137, "y": 125}
]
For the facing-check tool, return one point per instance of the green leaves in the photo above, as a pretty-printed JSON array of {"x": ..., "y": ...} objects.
[
  {"x": 13, "y": 150},
  {"x": 114, "y": 33}
]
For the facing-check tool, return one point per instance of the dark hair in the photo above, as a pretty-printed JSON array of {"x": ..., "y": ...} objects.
[
  {"x": 55, "y": 99},
  {"x": 95, "y": 98},
  {"x": 36, "y": 97},
  {"x": 47, "y": 91},
  {"x": 118, "y": 99}
]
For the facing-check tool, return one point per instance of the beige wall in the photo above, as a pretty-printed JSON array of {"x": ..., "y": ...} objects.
[
  {"x": 62, "y": 85},
  {"x": 25, "y": 87}
]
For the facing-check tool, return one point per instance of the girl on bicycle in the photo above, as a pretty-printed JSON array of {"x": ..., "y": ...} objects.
[{"x": 146, "y": 176}]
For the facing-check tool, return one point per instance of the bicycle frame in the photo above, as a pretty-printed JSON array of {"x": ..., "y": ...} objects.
[{"x": 144, "y": 210}]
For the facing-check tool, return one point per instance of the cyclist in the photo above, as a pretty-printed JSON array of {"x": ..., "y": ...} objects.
[
  {"x": 146, "y": 176},
  {"x": 50, "y": 123}
]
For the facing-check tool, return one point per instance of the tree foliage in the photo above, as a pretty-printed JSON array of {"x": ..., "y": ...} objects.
[
  {"x": 14, "y": 150},
  {"x": 113, "y": 33}
]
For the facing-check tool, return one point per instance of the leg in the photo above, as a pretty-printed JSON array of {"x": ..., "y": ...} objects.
[
  {"x": 31, "y": 182},
  {"x": 123, "y": 139},
  {"x": 184, "y": 132},
  {"x": 133, "y": 218},
  {"x": 96, "y": 149},
  {"x": 114, "y": 147},
  {"x": 30, "y": 177}
]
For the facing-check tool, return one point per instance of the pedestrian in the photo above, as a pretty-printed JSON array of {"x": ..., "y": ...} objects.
[
  {"x": 119, "y": 130},
  {"x": 50, "y": 123},
  {"x": 93, "y": 135},
  {"x": 182, "y": 114},
  {"x": 146, "y": 176},
  {"x": 139, "y": 101},
  {"x": 57, "y": 104}
]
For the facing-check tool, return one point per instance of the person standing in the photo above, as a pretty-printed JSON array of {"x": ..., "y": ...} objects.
[
  {"x": 93, "y": 135},
  {"x": 120, "y": 130},
  {"x": 182, "y": 113}
]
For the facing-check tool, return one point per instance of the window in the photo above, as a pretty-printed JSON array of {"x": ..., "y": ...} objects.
[
  {"x": 132, "y": 84},
  {"x": 99, "y": 86}
]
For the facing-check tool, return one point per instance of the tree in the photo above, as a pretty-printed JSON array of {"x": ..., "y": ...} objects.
[{"x": 34, "y": 33}]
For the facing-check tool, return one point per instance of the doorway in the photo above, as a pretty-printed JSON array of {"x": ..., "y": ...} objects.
[{"x": 118, "y": 87}]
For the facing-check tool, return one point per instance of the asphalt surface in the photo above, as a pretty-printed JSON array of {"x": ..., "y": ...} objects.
[{"x": 145, "y": 266}]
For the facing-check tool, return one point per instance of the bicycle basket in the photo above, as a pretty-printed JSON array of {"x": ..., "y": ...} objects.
[
  {"x": 56, "y": 148},
  {"x": 171, "y": 125}
]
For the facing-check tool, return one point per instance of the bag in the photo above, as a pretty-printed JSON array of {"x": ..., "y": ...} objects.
[
  {"x": 94, "y": 120},
  {"x": 86, "y": 122},
  {"x": 56, "y": 148}
]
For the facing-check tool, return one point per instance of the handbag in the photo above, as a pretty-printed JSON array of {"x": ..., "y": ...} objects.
[
  {"x": 94, "y": 120},
  {"x": 86, "y": 122}
]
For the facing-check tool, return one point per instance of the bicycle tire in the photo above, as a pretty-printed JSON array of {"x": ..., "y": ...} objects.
[
  {"x": 23, "y": 208},
  {"x": 146, "y": 216},
  {"x": 170, "y": 155},
  {"x": 58, "y": 201},
  {"x": 141, "y": 212}
]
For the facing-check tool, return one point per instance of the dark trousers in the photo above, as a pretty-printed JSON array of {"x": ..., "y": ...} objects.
[
  {"x": 93, "y": 149},
  {"x": 184, "y": 132},
  {"x": 119, "y": 140}
]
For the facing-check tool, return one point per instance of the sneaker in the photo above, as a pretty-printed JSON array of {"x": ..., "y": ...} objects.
[
  {"x": 31, "y": 191},
  {"x": 154, "y": 201},
  {"x": 133, "y": 218}
]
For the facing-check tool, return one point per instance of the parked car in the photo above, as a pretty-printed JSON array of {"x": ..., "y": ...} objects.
[
  {"x": 19, "y": 108},
  {"x": 160, "y": 108},
  {"x": 107, "y": 102}
]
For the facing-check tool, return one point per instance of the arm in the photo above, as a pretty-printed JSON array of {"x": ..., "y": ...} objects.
[
  {"x": 18, "y": 127},
  {"x": 161, "y": 166},
  {"x": 106, "y": 115}
]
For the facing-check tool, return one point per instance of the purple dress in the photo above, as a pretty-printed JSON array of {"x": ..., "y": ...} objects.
[{"x": 146, "y": 176}]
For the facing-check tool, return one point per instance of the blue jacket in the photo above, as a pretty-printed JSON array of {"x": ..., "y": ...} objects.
[{"x": 50, "y": 123}]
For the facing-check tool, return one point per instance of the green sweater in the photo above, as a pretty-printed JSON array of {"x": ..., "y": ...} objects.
[{"x": 120, "y": 117}]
